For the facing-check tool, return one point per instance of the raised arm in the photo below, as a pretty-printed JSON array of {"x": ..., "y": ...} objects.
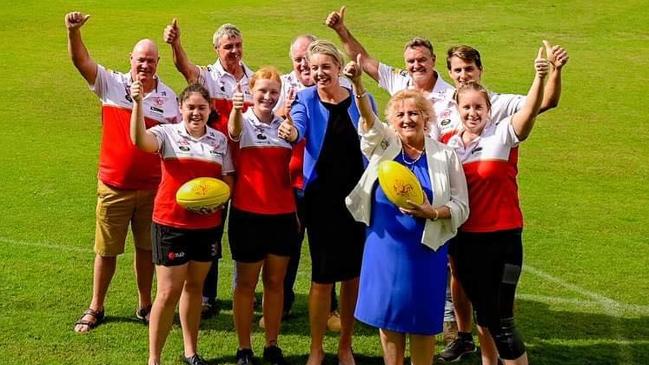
[
  {"x": 354, "y": 71},
  {"x": 352, "y": 47},
  {"x": 236, "y": 119},
  {"x": 143, "y": 139},
  {"x": 76, "y": 49},
  {"x": 189, "y": 70},
  {"x": 523, "y": 120},
  {"x": 558, "y": 57},
  {"x": 287, "y": 129}
]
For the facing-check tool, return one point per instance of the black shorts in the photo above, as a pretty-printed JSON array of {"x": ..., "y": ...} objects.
[
  {"x": 489, "y": 267},
  {"x": 176, "y": 246},
  {"x": 253, "y": 236}
]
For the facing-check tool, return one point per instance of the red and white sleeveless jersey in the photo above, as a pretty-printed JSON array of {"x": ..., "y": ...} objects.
[
  {"x": 263, "y": 183},
  {"x": 121, "y": 164},
  {"x": 491, "y": 164},
  {"x": 222, "y": 85},
  {"x": 184, "y": 158}
]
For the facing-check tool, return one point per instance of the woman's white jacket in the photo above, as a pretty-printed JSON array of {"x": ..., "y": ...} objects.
[{"x": 381, "y": 143}]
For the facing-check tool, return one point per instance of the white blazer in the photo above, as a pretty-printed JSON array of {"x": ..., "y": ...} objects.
[{"x": 381, "y": 143}]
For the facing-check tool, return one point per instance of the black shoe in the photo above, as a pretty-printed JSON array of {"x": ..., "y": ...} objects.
[
  {"x": 194, "y": 360},
  {"x": 273, "y": 355},
  {"x": 456, "y": 349},
  {"x": 244, "y": 357},
  {"x": 210, "y": 309}
]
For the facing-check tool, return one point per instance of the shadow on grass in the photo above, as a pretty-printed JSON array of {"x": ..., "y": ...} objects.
[
  {"x": 296, "y": 324},
  {"x": 602, "y": 338},
  {"x": 330, "y": 359}
]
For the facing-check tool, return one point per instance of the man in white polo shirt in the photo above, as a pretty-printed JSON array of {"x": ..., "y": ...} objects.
[
  {"x": 220, "y": 79},
  {"x": 128, "y": 178},
  {"x": 419, "y": 59}
]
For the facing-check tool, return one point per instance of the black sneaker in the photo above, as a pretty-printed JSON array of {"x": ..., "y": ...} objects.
[
  {"x": 194, "y": 360},
  {"x": 456, "y": 349},
  {"x": 210, "y": 309},
  {"x": 244, "y": 357},
  {"x": 273, "y": 355}
]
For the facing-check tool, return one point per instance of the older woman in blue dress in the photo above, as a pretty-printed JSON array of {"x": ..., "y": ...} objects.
[{"x": 403, "y": 275}]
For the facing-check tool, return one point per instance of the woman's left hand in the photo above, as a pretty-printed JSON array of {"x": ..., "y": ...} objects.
[{"x": 423, "y": 210}]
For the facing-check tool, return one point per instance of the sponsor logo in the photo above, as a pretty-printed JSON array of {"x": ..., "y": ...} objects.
[
  {"x": 157, "y": 110},
  {"x": 476, "y": 150},
  {"x": 445, "y": 122},
  {"x": 184, "y": 148},
  {"x": 175, "y": 255}
]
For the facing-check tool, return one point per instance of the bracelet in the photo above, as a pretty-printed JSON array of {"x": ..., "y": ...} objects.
[
  {"x": 361, "y": 95},
  {"x": 436, "y": 217}
]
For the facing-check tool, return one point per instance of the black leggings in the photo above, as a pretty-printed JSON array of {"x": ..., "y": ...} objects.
[{"x": 489, "y": 266}]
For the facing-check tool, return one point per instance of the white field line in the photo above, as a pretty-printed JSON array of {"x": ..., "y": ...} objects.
[
  {"x": 53, "y": 246},
  {"x": 612, "y": 306}
]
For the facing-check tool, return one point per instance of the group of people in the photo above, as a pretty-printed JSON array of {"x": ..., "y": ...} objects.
[{"x": 301, "y": 152}]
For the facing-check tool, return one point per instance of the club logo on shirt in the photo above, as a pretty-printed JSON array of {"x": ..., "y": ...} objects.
[{"x": 158, "y": 101}]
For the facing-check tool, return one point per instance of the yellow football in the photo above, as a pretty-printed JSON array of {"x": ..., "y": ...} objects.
[
  {"x": 202, "y": 194},
  {"x": 399, "y": 184}
]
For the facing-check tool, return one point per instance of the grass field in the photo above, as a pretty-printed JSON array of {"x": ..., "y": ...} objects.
[{"x": 583, "y": 298}]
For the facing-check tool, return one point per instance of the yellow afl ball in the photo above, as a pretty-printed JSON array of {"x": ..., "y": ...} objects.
[
  {"x": 399, "y": 184},
  {"x": 202, "y": 193}
]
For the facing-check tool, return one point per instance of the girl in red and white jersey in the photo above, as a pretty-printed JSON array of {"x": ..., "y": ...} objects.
[
  {"x": 488, "y": 247},
  {"x": 263, "y": 223},
  {"x": 184, "y": 242}
]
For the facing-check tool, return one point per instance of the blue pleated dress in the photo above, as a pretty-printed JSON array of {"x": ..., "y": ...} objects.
[{"x": 402, "y": 281}]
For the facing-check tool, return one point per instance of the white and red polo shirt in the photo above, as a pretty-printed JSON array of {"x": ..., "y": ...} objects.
[
  {"x": 222, "y": 85},
  {"x": 121, "y": 164},
  {"x": 263, "y": 184},
  {"x": 184, "y": 158},
  {"x": 491, "y": 165},
  {"x": 394, "y": 80},
  {"x": 450, "y": 123}
]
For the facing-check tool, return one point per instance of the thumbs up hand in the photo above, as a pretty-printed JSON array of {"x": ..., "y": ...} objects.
[
  {"x": 171, "y": 33},
  {"x": 137, "y": 91},
  {"x": 335, "y": 19},
  {"x": 557, "y": 55},
  {"x": 541, "y": 64},
  {"x": 238, "y": 98},
  {"x": 75, "y": 20},
  {"x": 354, "y": 69}
]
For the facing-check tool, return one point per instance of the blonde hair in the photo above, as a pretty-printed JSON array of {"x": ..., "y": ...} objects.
[
  {"x": 265, "y": 73},
  {"x": 424, "y": 106},
  {"x": 325, "y": 47},
  {"x": 472, "y": 86}
]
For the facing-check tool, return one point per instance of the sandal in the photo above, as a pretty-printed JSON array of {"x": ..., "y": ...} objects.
[
  {"x": 143, "y": 313},
  {"x": 97, "y": 315}
]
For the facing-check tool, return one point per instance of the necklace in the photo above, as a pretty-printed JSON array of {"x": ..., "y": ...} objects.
[{"x": 410, "y": 164}]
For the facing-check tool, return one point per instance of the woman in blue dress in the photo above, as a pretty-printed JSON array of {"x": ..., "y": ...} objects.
[{"x": 403, "y": 274}]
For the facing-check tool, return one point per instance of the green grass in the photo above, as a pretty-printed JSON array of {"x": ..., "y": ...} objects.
[{"x": 582, "y": 173}]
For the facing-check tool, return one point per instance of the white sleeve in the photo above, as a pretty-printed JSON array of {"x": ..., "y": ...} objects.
[
  {"x": 505, "y": 105},
  {"x": 505, "y": 132},
  {"x": 160, "y": 134},
  {"x": 392, "y": 79},
  {"x": 228, "y": 165},
  {"x": 102, "y": 82}
]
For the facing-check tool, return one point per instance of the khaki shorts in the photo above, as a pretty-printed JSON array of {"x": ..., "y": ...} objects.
[{"x": 117, "y": 208}]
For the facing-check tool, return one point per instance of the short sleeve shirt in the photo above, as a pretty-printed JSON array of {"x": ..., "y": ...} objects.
[
  {"x": 490, "y": 165},
  {"x": 222, "y": 85},
  {"x": 184, "y": 158},
  {"x": 121, "y": 164},
  {"x": 263, "y": 184}
]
